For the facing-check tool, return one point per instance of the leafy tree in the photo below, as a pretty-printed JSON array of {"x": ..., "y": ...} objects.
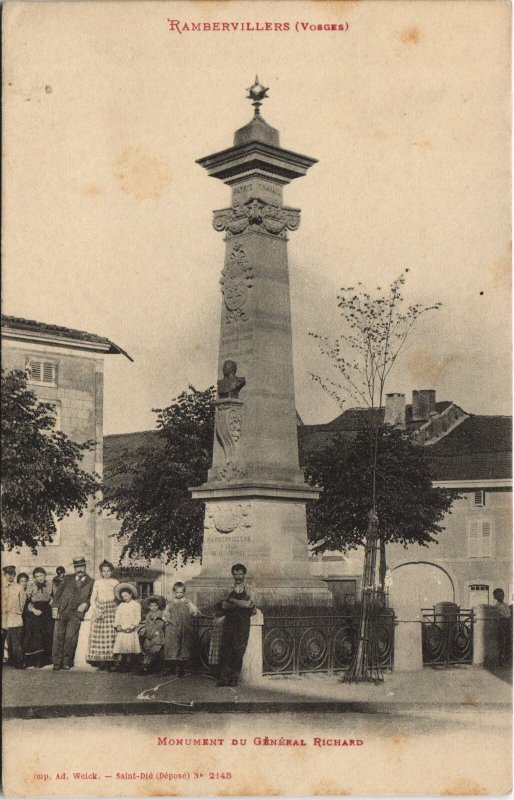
[
  {"x": 149, "y": 488},
  {"x": 374, "y": 332},
  {"x": 408, "y": 506},
  {"x": 41, "y": 475}
]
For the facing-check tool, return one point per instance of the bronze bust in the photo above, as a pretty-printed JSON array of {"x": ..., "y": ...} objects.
[{"x": 230, "y": 385}]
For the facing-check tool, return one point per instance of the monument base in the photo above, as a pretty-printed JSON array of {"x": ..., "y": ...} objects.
[
  {"x": 263, "y": 527},
  {"x": 272, "y": 596}
]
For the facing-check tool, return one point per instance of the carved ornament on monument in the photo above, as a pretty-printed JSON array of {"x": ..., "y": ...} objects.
[
  {"x": 236, "y": 281},
  {"x": 230, "y": 472},
  {"x": 226, "y": 517},
  {"x": 228, "y": 425},
  {"x": 255, "y": 215}
]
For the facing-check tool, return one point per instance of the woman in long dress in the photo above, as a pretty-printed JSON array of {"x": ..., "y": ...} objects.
[
  {"x": 39, "y": 625},
  {"x": 102, "y": 634}
]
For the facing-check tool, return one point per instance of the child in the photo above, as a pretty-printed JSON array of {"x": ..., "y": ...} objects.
[
  {"x": 126, "y": 620},
  {"x": 178, "y": 636},
  {"x": 504, "y": 623},
  {"x": 152, "y": 631}
]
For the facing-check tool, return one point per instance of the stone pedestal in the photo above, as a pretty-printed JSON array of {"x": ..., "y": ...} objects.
[
  {"x": 251, "y": 672},
  {"x": 255, "y": 496},
  {"x": 80, "y": 662},
  {"x": 408, "y": 656},
  {"x": 485, "y": 636}
]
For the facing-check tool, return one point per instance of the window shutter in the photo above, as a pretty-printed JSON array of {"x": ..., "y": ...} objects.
[
  {"x": 48, "y": 372},
  {"x": 486, "y": 539},
  {"x": 480, "y": 498},
  {"x": 42, "y": 371},
  {"x": 473, "y": 541},
  {"x": 35, "y": 370}
]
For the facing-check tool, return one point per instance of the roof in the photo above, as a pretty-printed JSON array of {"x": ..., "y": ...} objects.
[
  {"x": 359, "y": 418},
  {"x": 30, "y": 329},
  {"x": 479, "y": 448}
]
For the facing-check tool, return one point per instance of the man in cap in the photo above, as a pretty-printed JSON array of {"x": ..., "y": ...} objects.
[
  {"x": 70, "y": 603},
  {"x": 13, "y": 603}
]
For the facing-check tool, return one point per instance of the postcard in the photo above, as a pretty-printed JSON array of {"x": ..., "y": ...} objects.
[{"x": 256, "y": 398}]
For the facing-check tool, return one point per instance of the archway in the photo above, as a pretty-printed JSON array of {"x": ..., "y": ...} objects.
[{"x": 419, "y": 584}]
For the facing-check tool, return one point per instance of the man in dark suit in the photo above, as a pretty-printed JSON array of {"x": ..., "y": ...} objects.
[{"x": 70, "y": 603}]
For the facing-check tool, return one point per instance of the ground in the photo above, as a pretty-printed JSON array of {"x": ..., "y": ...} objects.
[{"x": 434, "y": 732}]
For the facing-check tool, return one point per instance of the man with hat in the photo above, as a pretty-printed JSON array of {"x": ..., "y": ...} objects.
[
  {"x": 70, "y": 603},
  {"x": 13, "y": 603}
]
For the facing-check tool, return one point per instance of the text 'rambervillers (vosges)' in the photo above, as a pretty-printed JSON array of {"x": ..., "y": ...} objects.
[{"x": 178, "y": 26}]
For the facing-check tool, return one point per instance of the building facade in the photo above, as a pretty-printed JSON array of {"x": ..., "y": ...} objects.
[
  {"x": 65, "y": 367},
  {"x": 466, "y": 452}
]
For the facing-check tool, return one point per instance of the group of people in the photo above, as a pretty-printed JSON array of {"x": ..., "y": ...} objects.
[{"x": 42, "y": 618}]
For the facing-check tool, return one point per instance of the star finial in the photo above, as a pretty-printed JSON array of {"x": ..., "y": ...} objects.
[{"x": 257, "y": 93}]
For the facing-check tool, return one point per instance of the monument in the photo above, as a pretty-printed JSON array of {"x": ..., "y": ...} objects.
[{"x": 255, "y": 495}]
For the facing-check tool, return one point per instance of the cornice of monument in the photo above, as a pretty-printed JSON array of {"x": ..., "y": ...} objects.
[
  {"x": 272, "y": 489},
  {"x": 256, "y": 158}
]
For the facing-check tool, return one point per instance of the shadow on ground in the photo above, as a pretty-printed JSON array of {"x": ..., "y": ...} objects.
[{"x": 40, "y": 693}]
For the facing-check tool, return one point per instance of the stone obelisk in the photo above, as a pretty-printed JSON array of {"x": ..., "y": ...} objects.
[{"x": 255, "y": 496}]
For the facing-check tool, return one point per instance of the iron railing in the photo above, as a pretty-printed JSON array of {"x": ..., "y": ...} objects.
[
  {"x": 447, "y": 638},
  {"x": 320, "y": 644}
]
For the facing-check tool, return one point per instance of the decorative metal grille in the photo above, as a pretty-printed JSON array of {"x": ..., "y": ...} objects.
[
  {"x": 202, "y": 649},
  {"x": 447, "y": 638},
  {"x": 320, "y": 644}
]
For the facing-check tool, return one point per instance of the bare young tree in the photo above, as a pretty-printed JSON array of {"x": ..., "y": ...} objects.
[{"x": 361, "y": 357}]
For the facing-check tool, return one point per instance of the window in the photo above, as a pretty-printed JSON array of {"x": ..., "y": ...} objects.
[
  {"x": 479, "y": 538},
  {"x": 144, "y": 589},
  {"x": 479, "y": 498},
  {"x": 478, "y": 594},
  {"x": 42, "y": 372}
]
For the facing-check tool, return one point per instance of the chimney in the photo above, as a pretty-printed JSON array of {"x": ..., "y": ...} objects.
[
  {"x": 423, "y": 404},
  {"x": 395, "y": 410}
]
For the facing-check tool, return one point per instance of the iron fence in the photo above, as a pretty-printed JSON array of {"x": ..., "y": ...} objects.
[
  {"x": 320, "y": 644},
  {"x": 206, "y": 644},
  {"x": 447, "y": 638}
]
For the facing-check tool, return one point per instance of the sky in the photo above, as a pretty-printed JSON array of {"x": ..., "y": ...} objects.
[{"x": 107, "y": 217}]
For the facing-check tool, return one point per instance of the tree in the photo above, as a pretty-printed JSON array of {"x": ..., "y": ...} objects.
[
  {"x": 408, "y": 507},
  {"x": 375, "y": 330},
  {"x": 149, "y": 488},
  {"x": 41, "y": 475}
]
